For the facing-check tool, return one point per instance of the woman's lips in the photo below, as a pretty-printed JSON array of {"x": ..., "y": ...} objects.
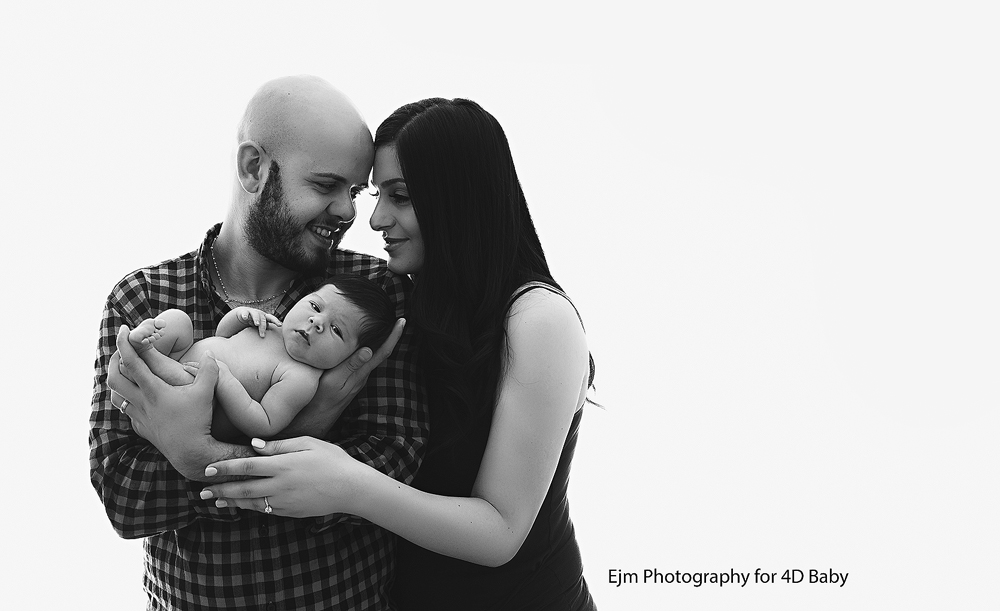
[{"x": 392, "y": 244}]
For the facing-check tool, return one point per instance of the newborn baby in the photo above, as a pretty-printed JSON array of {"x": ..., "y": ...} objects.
[{"x": 265, "y": 379}]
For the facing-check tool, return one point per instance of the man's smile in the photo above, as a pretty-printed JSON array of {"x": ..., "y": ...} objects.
[{"x": 323, "y": 231}]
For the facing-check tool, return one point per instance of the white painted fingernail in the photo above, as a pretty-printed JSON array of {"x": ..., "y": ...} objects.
[{"x": 257, "y": 443}]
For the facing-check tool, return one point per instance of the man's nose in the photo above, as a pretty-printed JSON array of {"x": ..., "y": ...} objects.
[{"x": 343, "y": 208}]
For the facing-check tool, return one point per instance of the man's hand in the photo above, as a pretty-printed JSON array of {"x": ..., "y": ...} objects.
[
  {"x": 225, "y": 373},
  {"x": 339, "y": 386},
  {"x": 175, "y": 419}
]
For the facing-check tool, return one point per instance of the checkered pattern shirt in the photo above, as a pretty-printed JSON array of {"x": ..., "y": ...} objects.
[{"x": 198, "y": 556}]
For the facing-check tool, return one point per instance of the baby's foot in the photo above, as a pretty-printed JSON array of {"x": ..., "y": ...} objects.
[{"x": 143, "y": 336}]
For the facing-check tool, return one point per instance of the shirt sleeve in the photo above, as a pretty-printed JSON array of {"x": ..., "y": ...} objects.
[
  {"x": 386, "y": 426},
  {"x": 142, "y": 493}
]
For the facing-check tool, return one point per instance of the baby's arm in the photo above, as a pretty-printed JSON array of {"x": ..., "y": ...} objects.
[
  {"x": 240, "y": 318},
  {"x": 279, "y": 405}
]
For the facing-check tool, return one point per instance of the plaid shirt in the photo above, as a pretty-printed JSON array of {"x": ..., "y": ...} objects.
[{"x": 201, "y": 557}]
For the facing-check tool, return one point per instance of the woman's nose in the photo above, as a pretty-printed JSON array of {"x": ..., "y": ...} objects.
[{"x": 380, "y": 221}]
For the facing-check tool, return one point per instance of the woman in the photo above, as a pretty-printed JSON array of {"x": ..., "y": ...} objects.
[{"x": 506, "y": 368}]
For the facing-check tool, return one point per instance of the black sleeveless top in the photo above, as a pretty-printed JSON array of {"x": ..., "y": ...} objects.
[{"x": 546, "y": 573}]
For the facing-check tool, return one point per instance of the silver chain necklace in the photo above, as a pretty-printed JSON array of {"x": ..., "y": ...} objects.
[{"x": 225, "y": 292}]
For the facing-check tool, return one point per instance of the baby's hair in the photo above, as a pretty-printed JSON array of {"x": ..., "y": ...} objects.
[{"x": 379, "y": 311}]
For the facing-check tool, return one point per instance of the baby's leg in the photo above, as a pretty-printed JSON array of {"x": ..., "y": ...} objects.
[{"x": 171, "y": 334}]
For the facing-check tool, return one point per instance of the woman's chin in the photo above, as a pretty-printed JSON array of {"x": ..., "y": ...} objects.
[{"x": 397, "y": 265}]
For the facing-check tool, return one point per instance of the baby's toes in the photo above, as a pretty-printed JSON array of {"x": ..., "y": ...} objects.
[{"x": 142, "y": 332}]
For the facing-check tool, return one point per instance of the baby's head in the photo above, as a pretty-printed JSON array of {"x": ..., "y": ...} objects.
[{"x": 328, "y": 325}]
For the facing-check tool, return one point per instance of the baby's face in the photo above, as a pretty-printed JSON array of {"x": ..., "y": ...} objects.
[{"x": 321, "y": 329}]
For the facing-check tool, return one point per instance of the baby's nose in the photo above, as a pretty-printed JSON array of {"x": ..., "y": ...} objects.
[{"x": 317, "y": 323}]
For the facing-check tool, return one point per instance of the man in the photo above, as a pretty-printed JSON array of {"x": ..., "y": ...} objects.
[{"x": 304, "y": 153}]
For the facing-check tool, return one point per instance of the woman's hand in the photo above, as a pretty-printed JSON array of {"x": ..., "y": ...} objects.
[{"x": 299, "y": 478}]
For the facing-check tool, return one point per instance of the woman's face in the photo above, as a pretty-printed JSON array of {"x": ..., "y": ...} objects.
[{"x": 394, "y": 215}]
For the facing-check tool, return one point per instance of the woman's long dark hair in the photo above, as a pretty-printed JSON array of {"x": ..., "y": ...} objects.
[{"x": 480, "y": 245}]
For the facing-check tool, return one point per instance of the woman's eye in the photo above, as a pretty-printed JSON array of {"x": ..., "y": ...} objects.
[{"x": 400, "y": 199}]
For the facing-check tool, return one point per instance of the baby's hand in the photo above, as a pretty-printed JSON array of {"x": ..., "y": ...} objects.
[{"x": 253, "y": 317}]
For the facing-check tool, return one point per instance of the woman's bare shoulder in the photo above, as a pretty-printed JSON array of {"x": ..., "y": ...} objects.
[{"x": 544, "y": 321}]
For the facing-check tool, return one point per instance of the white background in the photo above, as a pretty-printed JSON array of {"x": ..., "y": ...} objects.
[{"x": 779, "y": 223}]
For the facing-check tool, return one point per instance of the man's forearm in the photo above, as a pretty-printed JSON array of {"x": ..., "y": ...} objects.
[
  {"x": 190, "y": 460},
  {"x": 142, "y": 492}
]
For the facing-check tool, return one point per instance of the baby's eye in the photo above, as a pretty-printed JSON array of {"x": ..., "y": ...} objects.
[
  {"x": 336, "y": 331},
  {"x": 314, "y": 306}
]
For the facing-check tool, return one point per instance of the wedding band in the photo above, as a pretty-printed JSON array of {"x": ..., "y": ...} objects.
[
  {"x": 267, "y": 506},
  {"x": 123, "y": 406}
]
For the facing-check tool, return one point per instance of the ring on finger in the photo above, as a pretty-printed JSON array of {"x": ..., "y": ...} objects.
[
  {"x": 267, "y": 506},
  {"x": 123, "y": 406}
]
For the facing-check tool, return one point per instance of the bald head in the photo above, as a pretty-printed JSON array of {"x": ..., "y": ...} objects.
[
  {"x": 292, "y": 109},
  {"x": 303, "y": 155}
]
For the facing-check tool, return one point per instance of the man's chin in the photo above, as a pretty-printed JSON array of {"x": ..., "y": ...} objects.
[{"x": 317, "y": 260}]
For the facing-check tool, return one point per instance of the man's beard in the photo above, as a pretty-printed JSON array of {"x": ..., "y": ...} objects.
[{"x": 273, "y": 233}]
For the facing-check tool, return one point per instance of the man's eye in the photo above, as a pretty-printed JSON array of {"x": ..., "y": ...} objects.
[
  {"x": 336, "y": 331},
  {"x": 325, "y": 187}
]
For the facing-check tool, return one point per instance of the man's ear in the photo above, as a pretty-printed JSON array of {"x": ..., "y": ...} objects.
[{"x": 249, "y": 165}]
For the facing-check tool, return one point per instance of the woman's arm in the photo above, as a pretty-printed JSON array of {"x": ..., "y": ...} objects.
[{"x": 539, "y": 393}]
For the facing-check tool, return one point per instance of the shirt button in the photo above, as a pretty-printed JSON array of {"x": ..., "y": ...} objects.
[{"x": 271, "y": 606}]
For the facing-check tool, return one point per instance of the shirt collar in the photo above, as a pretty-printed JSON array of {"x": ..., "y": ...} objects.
[{"x": 202, "y": 265}]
